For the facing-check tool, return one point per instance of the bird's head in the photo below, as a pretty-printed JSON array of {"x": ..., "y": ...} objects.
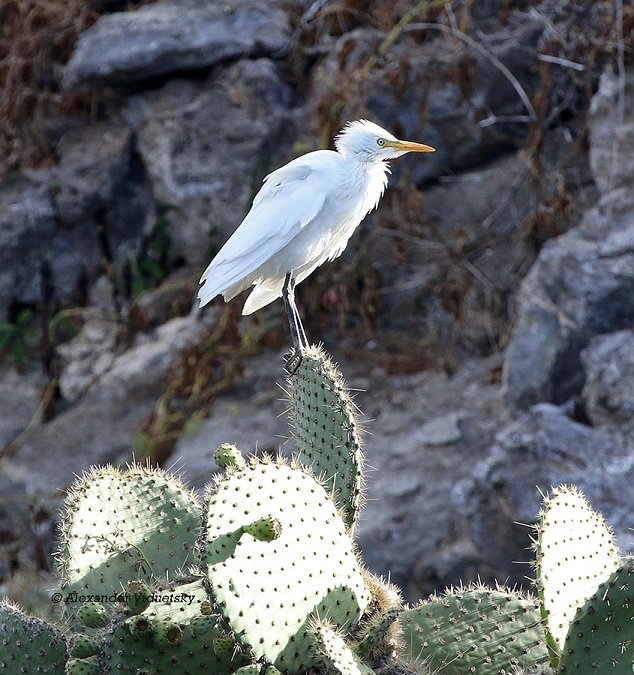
[{"x": 368, "y": 142}]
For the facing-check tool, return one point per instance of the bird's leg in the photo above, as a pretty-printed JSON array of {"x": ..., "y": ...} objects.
[{"x": 298, "y": 334}]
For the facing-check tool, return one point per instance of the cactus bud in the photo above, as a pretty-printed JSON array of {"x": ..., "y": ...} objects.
[
  {"x": 228, "y": 455},
  {"x": 92, "y": 615},
  {"x": 167, "y": 632},
  {"x": 138, "y": 597},
  {"x": 264, "y": 529},
  {"x": 83, "y": 646}
]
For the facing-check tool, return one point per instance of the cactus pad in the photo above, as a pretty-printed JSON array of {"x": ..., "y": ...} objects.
[
  {"x": 333, "y": 653},
  {"x": 87, "y": 666},
  {"x": 324, "y": 419},
  {"x": 269, "y": 590},
  {"x": 120, "y": 526},
  {"x": 575, "y": 552},
  {"x": 475, "y": 630},
  {"x": 380, "y": 636},
  {"x": 29, "y": 645},
  {"x": 601, "y": 636},
  {"x": 171, "y": 635}
]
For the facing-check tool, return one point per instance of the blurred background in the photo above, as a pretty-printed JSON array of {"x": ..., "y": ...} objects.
[{"x": 484, "y": 314}]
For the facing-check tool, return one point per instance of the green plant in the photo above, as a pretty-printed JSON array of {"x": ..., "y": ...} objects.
[
  {"x": 15, "y": 335},
  {"x": 326, "y": 430},
  {"x": 261, "y": 576},
  {"x": 152, "y": 264}
]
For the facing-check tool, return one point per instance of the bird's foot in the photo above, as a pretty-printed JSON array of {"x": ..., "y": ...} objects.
[{"x": 293, "y": 361}]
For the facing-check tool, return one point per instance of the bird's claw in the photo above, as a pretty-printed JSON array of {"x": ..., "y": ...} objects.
[{"x": 293, "y": 362}]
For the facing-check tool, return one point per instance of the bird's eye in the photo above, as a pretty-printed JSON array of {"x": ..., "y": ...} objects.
[{"x": 380, "y": 142}]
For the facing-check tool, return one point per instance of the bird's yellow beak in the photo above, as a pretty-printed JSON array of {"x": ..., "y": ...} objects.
[{"x": 409, "y": 146}]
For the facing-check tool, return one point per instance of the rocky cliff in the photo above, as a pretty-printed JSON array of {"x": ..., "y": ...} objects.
[{"x": 485, "y": 311}]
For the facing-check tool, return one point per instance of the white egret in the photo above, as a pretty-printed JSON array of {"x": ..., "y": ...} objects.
[{"x": 303, "y": 216}]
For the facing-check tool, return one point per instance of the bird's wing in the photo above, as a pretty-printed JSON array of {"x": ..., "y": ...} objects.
[{"x": 290, "y": 198}]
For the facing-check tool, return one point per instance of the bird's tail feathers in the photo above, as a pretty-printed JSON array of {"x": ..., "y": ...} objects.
[
  {"x": 208, "y": 292},
  {"x": 263, "y": 294}
]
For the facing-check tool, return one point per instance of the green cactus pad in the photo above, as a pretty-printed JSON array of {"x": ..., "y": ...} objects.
[
  {"x": 324, "y": 420},
  {"x": 228, "y": 455},
  {"x": 333, "y": 653},
  {"x": 251, "y": 669},
  {"x": 29, "y": 645},
  {"x": 119, "y": 526},
  {"x": 475, "y": 630},
  {"x": 203, "y": 624},
  {"x": 575, "y": 552},
  {"x": 601, "y": 636},
  {"x": 173, "y": 636},
  {"x": 190, "y": 655},
  {"x": 87, "y": 666},
  {"x": 380, "y": 635},
  {"x": 268, "y": 591}
]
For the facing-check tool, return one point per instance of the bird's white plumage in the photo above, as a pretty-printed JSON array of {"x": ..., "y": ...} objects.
[{"x": 302, "y": 216}]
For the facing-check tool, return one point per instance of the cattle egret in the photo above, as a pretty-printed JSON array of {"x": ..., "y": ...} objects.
[{"x": 303, "y": 216}]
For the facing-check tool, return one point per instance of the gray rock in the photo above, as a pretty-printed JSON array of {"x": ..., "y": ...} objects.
[
  {"x": 542, "y": 449},
  {"x": 207, "y": 146},
  {"x": 30, "y": 241},
  {"x": 611, "y": 133},
  {"x": 87, "y": 357},
  {"x": 95, "y": 205},
  {"x": 102, "y": 194},
  {"x": 608, "y": 394},
  {"x": 582, "y": 285},
  {"x": 94, "y": 162},
  {"x": 408, "y": 529},
  {"x": 443, "y": 430},
  {"x": 172, "y": 37},
  {"x": 20, "y": 398}
]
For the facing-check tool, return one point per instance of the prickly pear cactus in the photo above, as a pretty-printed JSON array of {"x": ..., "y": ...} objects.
[
  {"x": 324, "y": 421},
  {"x": 29, "y": 645},
  {"x": 475, "y": 630},
  {"x": 575, "y": 552},
  {"x": 600, "y": 638},
  {"x": 269, "y": 590},
  {"x": 120, "y": 526},
  {"x": 380, "y": 635},
  {"x": 173, "y": 634},
  {"x": 333, "y": 654}
]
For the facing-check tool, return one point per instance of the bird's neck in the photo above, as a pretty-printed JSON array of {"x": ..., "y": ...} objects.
[{"x": 368, "y": 179}]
